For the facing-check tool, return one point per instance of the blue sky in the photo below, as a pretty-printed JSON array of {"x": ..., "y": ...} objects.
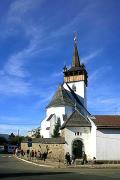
[{"x": 36, "y": 41}]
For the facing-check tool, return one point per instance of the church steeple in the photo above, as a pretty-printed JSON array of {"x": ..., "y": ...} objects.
[
  {"x": 75, "y": 59},
  {"x": 77, "y": 72}
]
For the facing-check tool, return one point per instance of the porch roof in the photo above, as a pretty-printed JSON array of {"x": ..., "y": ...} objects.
[{"x": 76, "y": 120}]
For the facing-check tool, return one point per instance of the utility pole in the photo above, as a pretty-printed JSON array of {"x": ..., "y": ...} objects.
[{"x": 18, "y": 132}]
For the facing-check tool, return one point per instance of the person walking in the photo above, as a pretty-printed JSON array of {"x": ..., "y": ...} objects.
[{"x": 67, "y": 157}]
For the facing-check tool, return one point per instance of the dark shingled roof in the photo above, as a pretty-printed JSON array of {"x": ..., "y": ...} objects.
[
  {"x": 47, "y": 140},
  {"x": 48, "y": 119},
  {"x": 76, "y": 120},
  {"x": 61, "y": 98},
  {"x": 107, "y": 121}
]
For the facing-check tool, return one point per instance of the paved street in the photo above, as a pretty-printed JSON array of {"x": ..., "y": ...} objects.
[{"x": 12, "y": 168}]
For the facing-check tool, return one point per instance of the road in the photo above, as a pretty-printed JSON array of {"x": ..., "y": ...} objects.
[{"x": 12, "y": 169}]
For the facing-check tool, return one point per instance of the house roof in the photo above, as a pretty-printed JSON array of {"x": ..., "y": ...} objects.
[
  {"x": 76, "y": 120},
  {"x": 61, "y": 98},
  {"x": 107, "y": 121},
  {"x": 59, "y": 140}
]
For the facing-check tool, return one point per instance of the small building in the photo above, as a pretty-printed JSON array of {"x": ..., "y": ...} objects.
[{"x": 33, "y": 133}]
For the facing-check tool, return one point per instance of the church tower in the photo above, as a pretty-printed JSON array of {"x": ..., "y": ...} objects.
[{"x": 76, "y": 77}]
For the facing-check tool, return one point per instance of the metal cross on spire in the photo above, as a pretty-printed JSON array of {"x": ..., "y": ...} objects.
[{"x": 75, "y": 38}]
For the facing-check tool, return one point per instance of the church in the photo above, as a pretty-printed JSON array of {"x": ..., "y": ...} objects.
[{"x": 98, "y": 136}]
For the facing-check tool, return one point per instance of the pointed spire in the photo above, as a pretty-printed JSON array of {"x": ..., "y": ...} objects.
[{"x": 75, "y": 60}]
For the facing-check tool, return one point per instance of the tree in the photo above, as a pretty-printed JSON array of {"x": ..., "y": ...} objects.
[
  {"x": 37, "y": 133},
  {"x": 3, "y": 141},
  {"x": 15, "y": 140},
  {"x": 56, "y": 129}
]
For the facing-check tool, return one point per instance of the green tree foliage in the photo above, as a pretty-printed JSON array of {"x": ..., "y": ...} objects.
[
  {"x": 3, "y": 141},
  {"x": 15, "y": 140},
  {"x": 56, "y": 129}
]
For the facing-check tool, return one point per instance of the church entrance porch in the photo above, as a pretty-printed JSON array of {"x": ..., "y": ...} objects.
[{"x": 77, "y": 148}]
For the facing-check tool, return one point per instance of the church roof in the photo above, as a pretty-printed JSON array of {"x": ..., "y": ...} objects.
[
  {"x": 76, "y": 120},
  {"x": 107, "y": 121},
  {"x": 75, "y": 60},
  {"x": 61, "y": 98},
  {"x": 77, "y": 100}
]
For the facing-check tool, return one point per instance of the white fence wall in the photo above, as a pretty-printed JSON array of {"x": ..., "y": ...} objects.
[{"x": 108, "y": 144}]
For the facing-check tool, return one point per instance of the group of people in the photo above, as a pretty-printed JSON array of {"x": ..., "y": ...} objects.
[
  {"x": 37, "y": 154},
  {"x": 33, "y": 154},
  {"x": 71, "y": 159}
]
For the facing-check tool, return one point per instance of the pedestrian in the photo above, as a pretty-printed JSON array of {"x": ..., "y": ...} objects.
[
  {"x": 94, "y": 160},
  {"x": 16, "y": 151},
  {"x": 73, "y": 159},
  {"x": 44, "y": 156},
  {"x": 28, "y": 151},
  {"x": 22, "y": 152},
  {"x": 67, "y": 157},
  {"x": 35, "y": 155},
  {"x": 84, "y": 158}
]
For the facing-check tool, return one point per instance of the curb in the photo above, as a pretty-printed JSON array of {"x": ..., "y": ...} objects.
[
  {"x": 30, "y": 162},
  {"x": 105, "y": 166}
]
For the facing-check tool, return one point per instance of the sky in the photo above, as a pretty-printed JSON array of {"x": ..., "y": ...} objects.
[{"x": 36, "y": 41}]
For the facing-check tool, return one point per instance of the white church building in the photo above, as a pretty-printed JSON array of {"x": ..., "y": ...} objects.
[{"x": 98, "y": 136}]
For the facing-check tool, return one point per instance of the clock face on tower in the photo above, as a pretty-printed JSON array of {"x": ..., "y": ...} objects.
[{"x": 73, "y": 87}]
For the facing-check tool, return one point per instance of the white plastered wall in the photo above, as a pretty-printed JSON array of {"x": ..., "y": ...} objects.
[
  {"x": 58, "y": 113},
  {"x": 85, "y": 137},
  {"x": 80, "y": 90},
  {"x": 44, "y": 125},
  {"x": 108, "y": 144},
  {"x": 92, "y": 138}
]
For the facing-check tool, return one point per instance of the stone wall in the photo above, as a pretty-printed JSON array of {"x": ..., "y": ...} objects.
[{"x": 55, "y": 151}]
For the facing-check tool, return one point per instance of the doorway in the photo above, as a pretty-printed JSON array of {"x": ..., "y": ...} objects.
[{"x": 77, "y": 148}]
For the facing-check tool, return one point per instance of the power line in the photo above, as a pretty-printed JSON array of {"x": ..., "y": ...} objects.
[{"x": 20, "y": 124}]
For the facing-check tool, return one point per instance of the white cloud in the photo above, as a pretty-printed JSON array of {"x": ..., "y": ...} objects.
[
  {"x": 95, "y": 75},
  {"x": 14, "y": 86},
  {"x": 19, "y": 9},
  {"x": 104, "y": 104},
  {"x": 15, "y": 65},
  {"x": 14, "y": 74},
  {"x": 92, "y": 55},
  {"x": 57, "y": 74},
  {"x": 44, "y": 99},
  {"x": 67, "y": 28}
]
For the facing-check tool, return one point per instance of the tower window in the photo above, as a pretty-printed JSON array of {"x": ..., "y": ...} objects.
[{"x": 73, "y": 87}]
